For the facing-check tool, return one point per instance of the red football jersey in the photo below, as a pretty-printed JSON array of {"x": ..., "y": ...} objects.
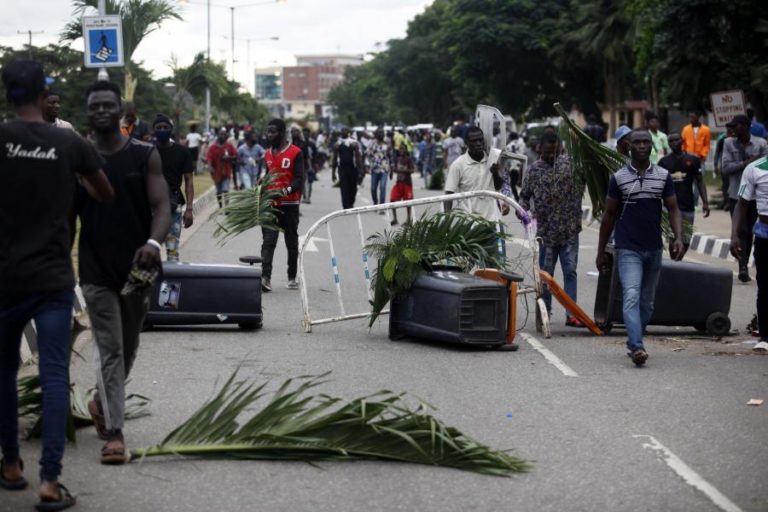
[{"x": 282, "y": 168}]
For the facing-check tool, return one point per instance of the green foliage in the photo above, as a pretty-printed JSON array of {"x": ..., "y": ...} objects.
[
  {"x": 466, "y": 240},
  {"x": 437, "y": 180},
  {"x": 245, "y": 210},
  {"x": 298, "y": 425}
]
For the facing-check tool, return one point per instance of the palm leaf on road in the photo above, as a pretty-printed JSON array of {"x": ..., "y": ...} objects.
[
  {"x": 245, "y": 210},
  {"x": 297, "y": 425}
]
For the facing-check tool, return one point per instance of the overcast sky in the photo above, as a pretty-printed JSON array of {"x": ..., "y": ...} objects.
[{"x": 303, "y": 26}]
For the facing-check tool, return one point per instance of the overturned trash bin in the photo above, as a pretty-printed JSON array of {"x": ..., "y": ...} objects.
[
  {"x": 452, "y": 307},
  {"x": 688, "y": 294},
  {"x": 198, "y": 294}
]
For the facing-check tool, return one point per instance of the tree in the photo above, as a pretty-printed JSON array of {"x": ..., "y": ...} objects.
[
  {"x": 140, "y": 18},
  {"x": 190, "y": 82}
]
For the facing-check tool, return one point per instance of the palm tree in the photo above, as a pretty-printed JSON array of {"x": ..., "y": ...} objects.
[
  {"x": 190, "y": 82},
  {"x": 140, "y": 18}
]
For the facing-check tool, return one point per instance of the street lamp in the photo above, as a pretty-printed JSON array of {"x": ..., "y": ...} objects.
[
  {"x": 248, "y": 52},
  {"x": 232, "y": 8}
]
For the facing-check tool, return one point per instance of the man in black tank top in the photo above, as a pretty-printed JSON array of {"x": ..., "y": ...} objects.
[
  {"x": 39, "y": 166},
  {"x": 116, "y": 241},
  {"x": 347, "y": 157}
]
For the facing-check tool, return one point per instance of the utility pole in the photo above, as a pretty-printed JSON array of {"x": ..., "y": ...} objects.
[
  {"x": 207, "y": 88},
  {"x": 232, "y": 36},
  {"x": 103, "y": 75},
  {"x": 29, "y": 44}
]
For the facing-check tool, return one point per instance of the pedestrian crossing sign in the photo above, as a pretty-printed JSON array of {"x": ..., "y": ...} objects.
[{"x": 103, "y": 37}]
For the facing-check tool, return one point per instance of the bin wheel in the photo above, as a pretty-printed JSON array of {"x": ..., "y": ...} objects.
[
  {"x": 718, "y": 324},
  {"x": 249, "y": 326}
]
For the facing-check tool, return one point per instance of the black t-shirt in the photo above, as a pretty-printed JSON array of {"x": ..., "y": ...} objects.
[
  {"x": 110, "y": 233},
  {"x": 176, "y": 163},
  {"x": 683, "y": 169},
  {"x": 38, "y": 163}
]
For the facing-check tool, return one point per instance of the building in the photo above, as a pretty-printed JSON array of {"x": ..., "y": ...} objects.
[{"x": 303, "y": 89}]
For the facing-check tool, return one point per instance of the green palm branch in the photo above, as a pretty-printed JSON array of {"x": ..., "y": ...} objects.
[
  {"x": 298, "y": 425},
  {"x": 464, "y": 239},
  {"x": 247, "y": 209}
]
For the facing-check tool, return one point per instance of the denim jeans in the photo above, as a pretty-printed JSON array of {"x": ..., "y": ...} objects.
[
  {"x": 52, "y": 313},
  {"x": 248, "y": 177},
  {"x": 379, "y": 184},
  {"x": 568, "y": 254},
  {"x": 639, "y": 273},
  {"x": 174, "y": 235}
]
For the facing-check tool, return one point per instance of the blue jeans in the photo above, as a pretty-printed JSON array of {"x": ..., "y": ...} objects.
[
  {"x": 568, "y": 254},
  {"x": 52, "y": 313},
  {"x": 174, "y": 235},
  {"x": 639, "y": 273},
  {"x": 248, "y": 177},
  {"x": 379, "y": 183}
]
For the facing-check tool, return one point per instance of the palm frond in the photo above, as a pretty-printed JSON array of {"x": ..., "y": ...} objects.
[
  {"x": 298, "y": 425},
  {"x": 464, "y": 239},
  {"x": 247, "y": 209}
]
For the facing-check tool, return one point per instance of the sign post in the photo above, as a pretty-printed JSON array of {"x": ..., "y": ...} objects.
[
  {"x": 726, "y": 104},
  {"x": 103, "y": 37}
]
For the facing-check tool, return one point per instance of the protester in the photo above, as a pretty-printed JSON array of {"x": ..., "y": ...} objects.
[
  {"x": 477, "y": 169},
  {"x": 194, "y": 140},
  {"x": 453, "y": 147},
  {"x": 39, "y": 163},
  {"x": 556, "y": 199},
  {"x": 285, "y": 166},
  {"x": 724, "y": 180},
  {"x": 594, "y": 129},
  {"x": 696, "y": 137},
  {"x": 347, "y": 157},
  {"x": 633, "y": 207},
  {"x": 312, "y": 166},
  {"x": 754, "y": 187},
  {"x": 51, "y": 108},
  {"x": 220, "y": 156},
  {"x": 622, "y": 139},
  {"x": 131, "y": 125},
  {"x": 659, "y": 139},
  {"x": 403, "y": 188},
  {"x": 685, "y": 170},
  {"x": 738, "y": 152},
  {"x": 298, "y": 140},
  {"x": 428, "y": 159},
  {"x": 177, "y": 165},
  {"x": 249, "y": 155},
  {"x": 119, "y": 256},
  {"x": 512, "y": 169},
  {"x": 378, "y": 158}
]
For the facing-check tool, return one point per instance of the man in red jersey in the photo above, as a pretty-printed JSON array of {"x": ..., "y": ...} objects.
[{"x": 285, "y": 165}]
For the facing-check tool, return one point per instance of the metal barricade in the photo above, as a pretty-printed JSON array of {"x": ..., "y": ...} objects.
[{"x": 533, "y": 286}]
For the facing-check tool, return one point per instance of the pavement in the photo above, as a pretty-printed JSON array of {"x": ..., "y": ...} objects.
[{"x": 676, "y": 435}]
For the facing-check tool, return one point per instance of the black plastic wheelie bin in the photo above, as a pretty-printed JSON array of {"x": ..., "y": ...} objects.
[{"x": 688, "y": 294}]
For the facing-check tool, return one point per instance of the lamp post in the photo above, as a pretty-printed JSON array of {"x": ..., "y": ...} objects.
[{"x": 248, "y": 51}]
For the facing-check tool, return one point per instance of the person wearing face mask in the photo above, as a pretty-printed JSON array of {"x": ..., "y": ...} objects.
[
  {"x": 177, "y": 164},
  {"x": 220, "y": 156}
]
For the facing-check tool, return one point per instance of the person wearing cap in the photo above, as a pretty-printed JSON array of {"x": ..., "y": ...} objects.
[
  {"x": 738, "y": 152},
  {"x": 696, "y": 137},
  {"x": 177, "y": 165},
  {"x": 119, "y": 257},
  {"x": 622, "y": 141},
  {"x": 220, "y": 156},
  {"x": 40, "y": 164},
  {"x": 51, "y": 108}
]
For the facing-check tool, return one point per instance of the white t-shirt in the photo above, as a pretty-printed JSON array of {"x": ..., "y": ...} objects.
[
  {"x": 754, "y": 184},
  {"x": 193, "y": 139},
  {"x": 60, "y": 123},
  {"x": 467, "y": 175},
  {"x": 453, "y": 147}
]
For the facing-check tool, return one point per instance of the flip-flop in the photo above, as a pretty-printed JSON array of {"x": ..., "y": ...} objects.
[
  {"x": 761, "y": 347},
  {"x": 12, "y": 485},
  {"x": 98, "y": 420},
  {"x": 65, "y": 501}
]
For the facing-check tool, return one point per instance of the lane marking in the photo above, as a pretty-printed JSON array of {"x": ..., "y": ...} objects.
[
  {"x": 549, "y": 355},
  {"x": 690, "y": 476},
  {"x": 311, "y": 244}
]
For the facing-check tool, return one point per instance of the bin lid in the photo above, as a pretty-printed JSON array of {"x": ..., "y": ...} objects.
[{"x": 209, "y": 270}]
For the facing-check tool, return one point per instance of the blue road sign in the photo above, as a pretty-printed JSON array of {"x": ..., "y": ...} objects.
[{"x": 103, "y": 41}]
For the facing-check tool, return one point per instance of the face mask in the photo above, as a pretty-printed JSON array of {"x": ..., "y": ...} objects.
[{"x": 162, "y": 135}]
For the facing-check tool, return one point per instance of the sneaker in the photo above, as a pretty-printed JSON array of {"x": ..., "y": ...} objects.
[
  {"x": 572, "y": 321},
  {"x": 744, "y": 276},
  {"x": 266, "y": 284},
  {"x": 761, "y": 347},
  {"x": 292, "y": 284},
  {"x": 639, "y": 357}
]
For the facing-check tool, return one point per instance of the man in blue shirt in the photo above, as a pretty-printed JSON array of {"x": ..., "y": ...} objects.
[
  {"x": 249, "y": 156},
  {"x": 633, "y": 207}
]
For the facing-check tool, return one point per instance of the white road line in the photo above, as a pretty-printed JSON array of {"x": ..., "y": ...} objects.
[
  {"x": 690, "y": 476},
  {"x": 549, "y": 355}
]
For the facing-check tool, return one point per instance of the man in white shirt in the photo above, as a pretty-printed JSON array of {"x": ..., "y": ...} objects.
[
  {"x": 193, "y": 144},
  {"x": 51, "y": 109},
  {"x": 453, "y": 147},
  {"x": 476, "y": 170}
]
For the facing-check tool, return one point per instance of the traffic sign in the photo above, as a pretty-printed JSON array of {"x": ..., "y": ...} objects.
[
  {"x": 103, "y": 37},
  {"x": 726, "y": 104}
]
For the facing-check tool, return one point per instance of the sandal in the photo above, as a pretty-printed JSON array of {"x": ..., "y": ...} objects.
[
  {"x": 12, "y": 485},
  {"x": 65, "y": 500},
  {"x": 98, "y": 420},
  {"x": 113, "y": 453},
  {"x": 639, "y": 357}
]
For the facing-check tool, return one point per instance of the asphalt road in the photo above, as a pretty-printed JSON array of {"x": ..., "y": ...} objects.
[{"x": 603, "y": 435}]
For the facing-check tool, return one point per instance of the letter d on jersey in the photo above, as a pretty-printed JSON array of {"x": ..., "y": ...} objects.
[{"x": 286, "y": 163}]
